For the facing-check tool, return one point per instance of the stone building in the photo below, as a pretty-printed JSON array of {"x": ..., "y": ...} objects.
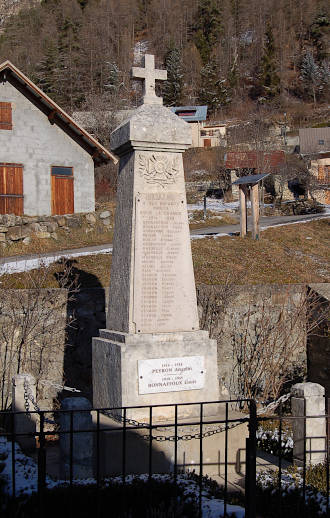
[
  {"x": 204, "y": 133},
  {"x": 46, "y": 159},
  {"x": 240, "y": 163},
  {"x": 315, "y": 148}
]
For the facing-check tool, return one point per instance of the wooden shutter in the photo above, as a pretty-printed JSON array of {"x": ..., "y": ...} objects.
[
  {"x": 5, "y": 116},
  {"x": 11, "y": 189}
]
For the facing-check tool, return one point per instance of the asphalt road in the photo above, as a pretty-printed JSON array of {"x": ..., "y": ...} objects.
[
  {"x": 221, "y": 229},
  {"x": 266, "y": 221}
]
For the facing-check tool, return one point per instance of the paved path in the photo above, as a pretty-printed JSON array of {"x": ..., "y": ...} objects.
[
  {"x": 266, "y": 221},
  {"x": 19, "y": 263}
]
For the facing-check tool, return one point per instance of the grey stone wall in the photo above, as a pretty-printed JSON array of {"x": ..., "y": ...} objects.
[
  {"x": 235, "y": 314},
  {"x": 223, "y": 311},
  {"x": 318, "y": 346},
  {"x": 38, "y": 145}
]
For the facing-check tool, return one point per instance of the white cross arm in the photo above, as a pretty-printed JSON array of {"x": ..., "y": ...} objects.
[{"x": 149, "y": 74}]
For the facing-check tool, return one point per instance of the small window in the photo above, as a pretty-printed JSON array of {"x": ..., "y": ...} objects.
[
  {"x": 321, "y": 142},
  {"x": 61, "y": 171},
  {"x": 5, "y": 116},
  {"x": 185, "y": 113}
]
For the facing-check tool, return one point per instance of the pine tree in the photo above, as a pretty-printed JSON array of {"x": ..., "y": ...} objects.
[
  {"x": 319, "y": 31},
  {"x": 113, "y": 83},
  {"x": 311, "y": 74},
  {"x": 269, "y": 80},
  {"x": 207, "y": 27},
  {"x": 173, "y": 87},
  {"x": 48, "y": 74},
  {"x": 214, "y": 91}
]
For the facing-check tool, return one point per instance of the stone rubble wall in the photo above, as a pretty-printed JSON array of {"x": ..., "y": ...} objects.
[{"x": 22, "y": 228}]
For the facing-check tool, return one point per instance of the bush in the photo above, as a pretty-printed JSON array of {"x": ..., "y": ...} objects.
[
  {"x": 300, "y": 207},
  {"x": 272, "y": 503},
  {"x": 268, "y": 439},
  {"x": 138, "y": 499}
]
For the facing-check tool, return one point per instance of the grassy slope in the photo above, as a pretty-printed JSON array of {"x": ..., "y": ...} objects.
[{"x": 283, "y": 255}]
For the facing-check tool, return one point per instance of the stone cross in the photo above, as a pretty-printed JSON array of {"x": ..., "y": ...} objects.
[{"x": 149, "y": 75}]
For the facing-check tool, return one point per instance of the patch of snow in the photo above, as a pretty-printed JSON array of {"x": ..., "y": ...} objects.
[
  {"x": 24, "y": 265},
  {"x": 216, "y": 205},
  {"x": 140, "y": 49},
  {"x": 203, "y": 236},
  {"x": 26, "y": 470},
  {"x": 291, "y": 482},
  {"x": 26, "y": 480}
]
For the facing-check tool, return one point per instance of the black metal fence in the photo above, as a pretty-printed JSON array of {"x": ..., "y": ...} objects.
[
  {"x": 135, "y": 442},
  {"x": 304, "y": 459}
]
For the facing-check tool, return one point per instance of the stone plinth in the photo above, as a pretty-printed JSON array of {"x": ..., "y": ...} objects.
[
  {"x": 308, "y": 400},
  {"x": 116, "y": 372},
  {"x": 188, "y": 452},
  {"x": 152, "y": 351}
]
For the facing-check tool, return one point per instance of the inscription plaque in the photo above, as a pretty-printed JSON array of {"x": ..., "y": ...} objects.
[
  {"x": 164, "y": 294},
  {"x": 171, "y": 374}
]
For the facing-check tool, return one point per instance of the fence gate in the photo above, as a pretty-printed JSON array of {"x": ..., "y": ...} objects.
[{"x": 11, "y": 189}]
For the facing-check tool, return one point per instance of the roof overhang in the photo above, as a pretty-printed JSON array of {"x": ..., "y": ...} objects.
[
  {"x": 250, "y": 179},
  {"x": 55, "y": 114}
]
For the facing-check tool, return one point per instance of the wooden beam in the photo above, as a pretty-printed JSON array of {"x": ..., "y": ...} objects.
[
  {"x": 255, "y": 210},
  {"x": 242, "y": 216}
]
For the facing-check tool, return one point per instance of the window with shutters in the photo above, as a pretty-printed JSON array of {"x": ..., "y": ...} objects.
[{"x": 5, "y": 116}]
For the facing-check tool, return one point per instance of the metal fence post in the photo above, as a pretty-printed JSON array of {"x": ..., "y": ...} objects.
[
  {"x": 250, "y": 472},
  {"x": 41, "y": 464}
]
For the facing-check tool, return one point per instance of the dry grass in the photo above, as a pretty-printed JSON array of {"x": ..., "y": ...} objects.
[
  {"x": 214, "y": 219},
  {"x": 283, "y": 255}
]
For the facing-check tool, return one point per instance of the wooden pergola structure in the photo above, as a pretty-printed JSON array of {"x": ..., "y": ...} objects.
[{"x": 249, "y": 185}]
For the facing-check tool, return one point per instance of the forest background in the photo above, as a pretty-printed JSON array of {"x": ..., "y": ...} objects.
[{"x": 240, "y": 57}]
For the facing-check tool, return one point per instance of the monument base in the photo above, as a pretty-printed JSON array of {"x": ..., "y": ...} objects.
[{"x": 132, "y": 370}]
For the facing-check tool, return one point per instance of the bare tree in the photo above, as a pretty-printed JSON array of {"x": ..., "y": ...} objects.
[
  {"x": 34, "y": 321},
  {"x": 269, "y": 344},
  {"x": 296, "y": 175}
]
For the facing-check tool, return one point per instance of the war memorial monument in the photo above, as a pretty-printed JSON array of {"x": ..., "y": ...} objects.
[{"x": 152, "y": 351}]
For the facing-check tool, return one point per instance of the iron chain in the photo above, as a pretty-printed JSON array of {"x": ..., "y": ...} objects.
[
  {"x": 189, "y": 437},
  {"x": 28, "y": 396},
  {"x": 58, "y": 386}
]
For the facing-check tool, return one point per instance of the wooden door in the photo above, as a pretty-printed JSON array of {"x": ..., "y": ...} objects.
[
  {"x": 11, "y": 189},
  {"x": 207, "y": 142},
  {"x": 62, "y": 190}
]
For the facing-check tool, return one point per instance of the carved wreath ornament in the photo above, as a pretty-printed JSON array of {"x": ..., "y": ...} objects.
[{"x": 158, "y": 169}]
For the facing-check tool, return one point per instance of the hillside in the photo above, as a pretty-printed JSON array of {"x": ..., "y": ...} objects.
[
  {"x": 235, "y": 56},
  {"x": 12, "y": 7}
]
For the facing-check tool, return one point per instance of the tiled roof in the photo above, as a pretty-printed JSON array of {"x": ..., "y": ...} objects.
[
  {"x": 190, "y": 113},
  {"x": 263, "y": 161}
]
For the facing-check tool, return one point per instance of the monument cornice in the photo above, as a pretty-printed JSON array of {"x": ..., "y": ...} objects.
[{"x": 134, "y": 145}]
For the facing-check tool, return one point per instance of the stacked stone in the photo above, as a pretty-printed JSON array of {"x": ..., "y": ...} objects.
[{"x": 21, "y": 228}]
